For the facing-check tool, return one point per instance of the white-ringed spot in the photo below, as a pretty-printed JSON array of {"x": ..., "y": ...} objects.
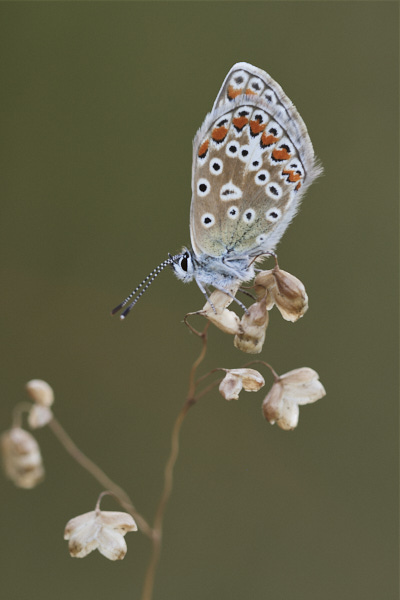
[
  {"x": 232, "y": 149},
  {"x": 261, "y": 239},
  {"x": 256, "y": 85},
  {"x": 216, "y": 166},
  {"x": 203, "y": 187},
  {"x": 255, "y": 164},
  {"x": 269, "y": 96},
  {"x": 207, "y": 220},
  {"x": 273, "y": 214},
  {"x": 262, "y": 177},
  {"x": 229, "y": 191},
  {"x": 274, "y": 191},
  {"x": 249, "y": 215},
  {"x": 233, "y": 212},
  {"x": 244, "y": 153}
]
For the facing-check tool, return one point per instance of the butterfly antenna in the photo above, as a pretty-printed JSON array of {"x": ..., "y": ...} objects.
[{"x": 147, "y": 281}]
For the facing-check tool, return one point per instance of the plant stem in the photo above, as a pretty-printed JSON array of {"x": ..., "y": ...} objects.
[
  {"x": 148, "y": 586},
  {"x": 99, "y": 475}
]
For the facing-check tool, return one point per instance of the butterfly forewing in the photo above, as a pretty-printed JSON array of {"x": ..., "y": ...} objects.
[{"x": 252, "y": 160}]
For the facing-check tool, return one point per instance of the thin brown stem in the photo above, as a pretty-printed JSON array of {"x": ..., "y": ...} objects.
[
  {"x": 262, "y": 362},
  {"x": 99, "y": 475},
  {"x": 148, "y": 586}
]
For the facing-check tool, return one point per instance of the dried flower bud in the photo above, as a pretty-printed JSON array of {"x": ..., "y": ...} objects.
[
  {"x": 291, "y": 390},
  {"x": 40, "y": 392},
  {"x": 224, "y": 319},
  {"x": 22, "y": 460},
  {"x": 39, "y": 416},
  {"x": 253, "y": 328},
  {"x": 237, "y": 379},
  {"x": 284, "y": 290},
  {"x": 101, "y": 530}
]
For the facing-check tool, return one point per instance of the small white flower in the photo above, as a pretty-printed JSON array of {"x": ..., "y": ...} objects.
[
  {"x": 22, "y": 460},
  {"x": 101, "y": 530},
  {"x": 291, "y": 390},
  {"x": 237, "y": 379},
  {"x": 40, "y": 392}
]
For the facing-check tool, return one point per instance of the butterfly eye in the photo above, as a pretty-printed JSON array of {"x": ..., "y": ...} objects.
[
  {"x": 203, "y": 187},
  {"x": 273, "y": 215},
  {"x": 274, "y": 191},
  {"x": 262, "y": 177},
  {"x": 207, "y": 220},
  {"x": 216, "y": 166},
  {"x": 184, "y": 263},
  {"x": 232, "y": 149},
  {"x": 233, "y": 212},
  {"x": 249, "y": 215}
]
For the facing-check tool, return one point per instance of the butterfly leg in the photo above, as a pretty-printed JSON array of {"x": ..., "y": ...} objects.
[
  {"x": 206, "y": 295},
  {"x": 227, "y": 292}
]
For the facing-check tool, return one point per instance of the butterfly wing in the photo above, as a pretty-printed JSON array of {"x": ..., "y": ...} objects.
[{"x": 252, "y": 161}]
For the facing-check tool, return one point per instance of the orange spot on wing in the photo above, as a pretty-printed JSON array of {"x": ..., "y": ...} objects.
[
  {"x": 298, "y": 186},
  {"x": 256, "y": 127},
  {"x": 292, "y": 175},
  {"x": 250, "y": 92},
  {"x": 268, "y": 140},
  {"x": 219, "y": 134},
  {"x": 234, "y": 92},
  {"x": 281, "y": 154},
  {"x": 240, "y": 122},
  {"x": 203, "y": 149}
]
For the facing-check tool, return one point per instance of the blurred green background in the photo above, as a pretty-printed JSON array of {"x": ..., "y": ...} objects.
[{"x": 99, "y": 105}]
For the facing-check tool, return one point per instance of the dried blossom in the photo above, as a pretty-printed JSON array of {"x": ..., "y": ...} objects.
[
  {"x": 237, "y": 379},
  {"x": 22, "y": 460},
  {"x": 224, "y": 319},
  {"x": 40, "y": 392},
  {"x": 99, "y": 530},
  {"x": 284, "y": 290},
  {"x": 253, "y": 325},
  {"x": 39, "y": 416},
  {"x": 291, "y": 390}
]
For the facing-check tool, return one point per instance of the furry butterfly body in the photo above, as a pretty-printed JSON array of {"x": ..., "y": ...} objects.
[{"x": 252, "y": 162}]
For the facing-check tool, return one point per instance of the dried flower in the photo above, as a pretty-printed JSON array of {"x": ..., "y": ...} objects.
[
  {"x": 291, "y": 390},
  {"x": 237, "y": 379},
  {"x": 284, "y": 290},
  {"x": 40, "y": 392},
  {"x": 39, "y": 416},
  {"x": 253, "y": 327},
  {"x": 224, "y": 319},
  {"x": 101, "y": 530},
  {"x": 22, "y": 460}
]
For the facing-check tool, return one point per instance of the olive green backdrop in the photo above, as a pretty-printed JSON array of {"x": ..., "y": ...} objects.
[{"x": 99, "y": 105}]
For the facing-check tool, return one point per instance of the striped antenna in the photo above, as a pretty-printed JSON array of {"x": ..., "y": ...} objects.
[{"x": 141, "y": 288}]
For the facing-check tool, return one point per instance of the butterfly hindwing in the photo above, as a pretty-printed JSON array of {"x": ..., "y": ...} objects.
[{"x": 252, "y": 159}]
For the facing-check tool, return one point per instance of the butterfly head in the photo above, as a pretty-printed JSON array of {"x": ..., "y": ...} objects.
[{"x": 183, "y": 265}]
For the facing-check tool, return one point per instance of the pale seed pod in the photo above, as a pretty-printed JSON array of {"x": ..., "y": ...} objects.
[
  {"x": 284, "y": 290},
  {"x": 22, "y": 460},
  {"x": 101, "y": 530},
  {"x": 295, "y": 388},
  {"x": 39, "y": 416},
  {"x": 40, "y": 392},
  {"x": 237, "y": 379},
  {"x": 224, "y": 319},
  {"x": 253, "y": 326}
]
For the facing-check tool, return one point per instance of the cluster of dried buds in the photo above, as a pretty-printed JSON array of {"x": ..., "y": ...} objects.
[
  {"x": 22, "y": 459},
  {"x": 273, "y": 288},
  {"x": 289, "y": 391}
]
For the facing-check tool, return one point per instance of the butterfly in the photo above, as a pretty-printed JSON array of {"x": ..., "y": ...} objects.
[{"x": 252, "y": 162}]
